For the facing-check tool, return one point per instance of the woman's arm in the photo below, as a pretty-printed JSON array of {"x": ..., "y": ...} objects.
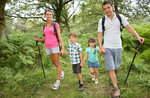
[
  {"x": 38, "y": 39},
  {"x": 61, "y": 42}
]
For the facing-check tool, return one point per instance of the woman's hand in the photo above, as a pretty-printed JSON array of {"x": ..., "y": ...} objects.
[
  {"x": 63, "y": 52},
  {"x": 36, "y": 38}
]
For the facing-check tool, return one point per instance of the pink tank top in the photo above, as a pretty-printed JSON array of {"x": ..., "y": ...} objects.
[{"x": 50, "y": 37}]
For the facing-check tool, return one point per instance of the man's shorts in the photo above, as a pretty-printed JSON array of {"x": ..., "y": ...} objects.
[
  {"x": 93, "y": 64},
  {"x": 113, "y": 58},
  {"x": 52, "y": 50},
  {"x": 76, "y": 68}
]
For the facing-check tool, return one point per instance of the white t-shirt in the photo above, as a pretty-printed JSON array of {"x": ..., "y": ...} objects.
[{"x": 112, "y": 31}]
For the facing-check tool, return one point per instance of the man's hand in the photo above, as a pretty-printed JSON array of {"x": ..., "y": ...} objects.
[
  {"x": 102, "y": 49},
  {"x": 141, "y": 40}
]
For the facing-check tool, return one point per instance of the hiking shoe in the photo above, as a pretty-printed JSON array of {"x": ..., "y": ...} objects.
[
  {"x": 81, "y": 86},
  {"x": 116, "y": 93},
  {"x": 96, "y": 81},
  {"x": 56, "y": 85},
  {"x": 93, "y": 78},
  {"x": 62, "y": 75}
]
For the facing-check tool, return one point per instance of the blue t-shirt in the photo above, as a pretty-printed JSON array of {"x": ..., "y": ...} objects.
[{"x": 92, "y": 54}]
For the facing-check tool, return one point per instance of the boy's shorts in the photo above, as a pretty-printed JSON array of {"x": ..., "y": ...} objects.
[
  {"x": 113, "y": 58},
  {"x": 93, "y": 64},
  {"x": 76, "y": 68},
  {"x": 52, "y": 50}
]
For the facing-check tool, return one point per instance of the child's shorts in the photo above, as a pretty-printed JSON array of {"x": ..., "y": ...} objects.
[
  {"x": 76, "y": 68},
  {"x": 93, "y": 64},
  {"x": 52, "y": 50}
]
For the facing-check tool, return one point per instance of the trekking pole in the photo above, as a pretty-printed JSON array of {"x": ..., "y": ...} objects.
[
  {"x": 40, "y": 58},
  {"x": 136, "y": 50}
]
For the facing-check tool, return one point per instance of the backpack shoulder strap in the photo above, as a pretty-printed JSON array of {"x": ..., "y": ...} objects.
[
  {"x": 103, "y": 27},
  {"x": 103, "y": 21},
  {"x": 43, "y": 30},
  {"x": 121, "y": 25},
  {"x": 54, "y": 27}
]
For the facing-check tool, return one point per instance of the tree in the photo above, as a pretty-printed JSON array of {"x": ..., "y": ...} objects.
[
  {"x": 35, "y": 9},
  {"x": 86, "y": 20},
  {"x": 91, "y": 11},
  {"x": 2, "y": 18}
]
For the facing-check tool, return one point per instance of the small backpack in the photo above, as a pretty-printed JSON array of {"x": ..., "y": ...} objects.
[
  {"x": 54, "y": 31},
  {"x": 121, "y": 25}
]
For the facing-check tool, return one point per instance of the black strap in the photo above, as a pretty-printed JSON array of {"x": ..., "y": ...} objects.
[
  {"x": 121, "y": 25},
  {"x": 54, "y": 30},
  {"x": 103, "y": 21},
  {"x": 103, "y": 27},
  {"x": 56, "y": 34},
  {"x": 43, "y": 30}
]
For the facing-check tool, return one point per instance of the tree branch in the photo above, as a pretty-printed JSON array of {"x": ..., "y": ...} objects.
[
  {"x": 67, "y": 2},
  {"x": 18, "y": 16}
]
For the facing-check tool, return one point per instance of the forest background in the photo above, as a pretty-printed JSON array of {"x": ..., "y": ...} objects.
[{"x": 20, "y": 67}]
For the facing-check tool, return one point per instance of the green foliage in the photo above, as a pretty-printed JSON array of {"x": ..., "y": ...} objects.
[
  {"x": 146, "y": 56},
  {"x": 18, "y": 51},
  {"x": 21, "y": 73}
]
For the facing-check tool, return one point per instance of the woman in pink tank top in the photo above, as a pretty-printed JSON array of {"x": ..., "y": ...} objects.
[{"x": 52, "y": 46}]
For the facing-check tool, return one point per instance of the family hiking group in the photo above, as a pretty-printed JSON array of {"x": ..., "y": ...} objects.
[{"x": 109, "y": 27}]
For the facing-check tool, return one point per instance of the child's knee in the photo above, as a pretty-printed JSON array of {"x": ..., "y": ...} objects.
[{"x": 92, "y": 72}]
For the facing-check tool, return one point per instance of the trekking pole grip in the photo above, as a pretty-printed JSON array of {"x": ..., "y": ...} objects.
[{"x": 36, "y": 41}]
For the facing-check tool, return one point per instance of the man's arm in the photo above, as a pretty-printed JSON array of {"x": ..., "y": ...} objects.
[
  {"x": 133, "y": 32},
  {"x": 102, "y": 49},
  {"x": 100, "y": 39}
]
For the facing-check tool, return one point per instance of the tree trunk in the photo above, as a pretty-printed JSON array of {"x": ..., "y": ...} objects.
[{"x": 2, "y": 19}]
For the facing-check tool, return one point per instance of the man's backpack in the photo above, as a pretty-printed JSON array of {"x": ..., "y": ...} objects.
[{"x": 121, "y": 25}]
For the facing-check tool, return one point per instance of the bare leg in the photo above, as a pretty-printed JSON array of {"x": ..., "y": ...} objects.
[
  {"x": 80, "y": 78},
  {"x": 112, "y": 76},
  {"x": 96, "y": 72},
  {"x": 91, "y": 71},
  {"x": 56, "y": 60}
]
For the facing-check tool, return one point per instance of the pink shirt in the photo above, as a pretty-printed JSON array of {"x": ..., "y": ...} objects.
[{"x": 50, "y": 37}]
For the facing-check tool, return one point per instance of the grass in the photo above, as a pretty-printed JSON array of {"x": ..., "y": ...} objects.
[
  {"x": 33, "y": 85},
  {"x": 30, "y": 82}
]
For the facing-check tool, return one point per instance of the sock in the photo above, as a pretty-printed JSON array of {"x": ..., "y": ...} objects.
[
  {"x": 116, "y": 87},
  {"x": 58, "y": 81}
]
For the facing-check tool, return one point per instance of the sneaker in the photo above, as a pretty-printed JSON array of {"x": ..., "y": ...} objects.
[
  {"x": 56, "y": 85},
  {"x": 81, "y": 87},
  {"x": 62, "y": 75},
  {"x": 96, "y": 81},
  {"x": 93, "y": 78},
  {"x": 116, "y": 93}
]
